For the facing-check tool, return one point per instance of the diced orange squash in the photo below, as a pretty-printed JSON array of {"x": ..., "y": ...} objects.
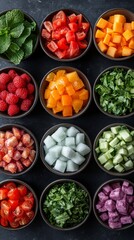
[
  {"x": 61, "y": 83},
  {"x": 99, "y": 39},
  {"x": 111, "y": 44},
  {"x": 70, "y": 90},
  {"x": 128, "y": 34},
  {"x": 55, "y": 94},
  {"x": 117, "y": 27},
  {"x": 75, "y": 95},
  {"x": 58, "y": 108},
  {"x": 109, "y": 30},
  {"x": 72, "y": 76},
  {"x": 111, "y": 51},
  {"x": 111, "y": 19},
  {"x": 127, "y": 26},
  {"x": 52, "y": 85},
  {"x": 102, "y": 46},
  {"x": 77, "y": 105},
  {"x": 51, "y": 103},
  {"x": 116, "y": 38},
  {"x": 50, "y": 77},
  {"x": 77, "y": 84},
  {"x": 119, "y": 18},
  {"x": 47, "y": 93},
  {"x": 109, "y": 25},
  {"x": 83, "y": 94},
  {"x": 132, "y": 25},
  {"x": 67, "y": 111},
  {"x": 102, "y": 23},
  {"x": 123, "y": 41},
  {"x": 66, "y": 100},
  {"x": 60, "y": 73},
  {"x": 104, "y": 30},
  {"x": 99, "y": 34},
  {"x": 131, "y": 43},
  {"x": 107, "y": 39},
  {"x": 126, "y": 51},
  {"x": 119, "y": 52}
]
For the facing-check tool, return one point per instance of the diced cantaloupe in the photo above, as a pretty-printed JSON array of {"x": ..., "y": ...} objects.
[
  {"x": 77, "y": 84},
  {"x": 131, "y": 43},
  {"x": 102, "y": 23},
  {"x": 75, "y": 95},
  {"x": 126, "y": 51},
  {"x": 119, "y": 18},
  {"x": 119, "y": 52},
  {"x": 99, "y": 34},
  {"x": 111, "y": 44},
  {"x": 102, "y": 46},
  {"x": 47, "y": 93},
  {"x": 132, "y": 25},
  {"x": 66, "y": 100},
  {"x": 83, "y": 94},
  {"x": 72, "y": 76},
  {"x": 51, "y": 85},
  {"x": 77, "y": 105},
  {"x": 109, "y": 25},
  {"x": 127, "y": 26},
  {"x": 58, "y": 108},
  {"x": 128, "y": 34},
  {"x": 107, "y": 39},
  {"x": 70, "y": 90},
  {"x": 123, "y": 42},
  {"x": 111, "y": 19},
  {"x": 116, "y": 38},
  {"x": 117, "y": 27},
  {"x": 111, "y": 51},
  {"x": 60, "y": 73},
  {"x": 51, "y": 103},
  {"x": 67, "y": 111},
  {"x": 50, "y": 77},
  {"x": 55, "y": 94},
  {"x": 109, "y": 30}
]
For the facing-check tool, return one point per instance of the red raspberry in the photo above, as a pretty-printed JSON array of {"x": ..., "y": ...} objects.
[
  {"x": 30, "y": 88},
  {"x": 3, "y": 94},
  {"x": 26, "y": 77},
  {"x": 31, "y": 97},
  {"x": 12, "y": 73},
  {"x": 22, "y": 93},
  {"x": 4, "y": 78},
  {"x": 2, "y": 87},
  {"x": 19, "y": 82},
  {"x": 13, "y": 110},
  {"x": 3, "y": 106},
  {"x": 12, "y": 98},
  {"x": 25, "y": 105},
  {"x": 11, "y": 87}
]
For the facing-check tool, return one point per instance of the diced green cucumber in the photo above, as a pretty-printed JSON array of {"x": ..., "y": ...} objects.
[
  {"x": 102, "y": 140},
  {"x": 117, "y": 159},
  {"x": 132, "y": 133},
  {"x": 119, "y": 168},
  {"x": 103, "y": 146},
  {"x": 102, "y": 159},
  {"x": 130, "y": 149},
  {"x": 122, "y": 143},
  {"x": 132, "y": 156},
  {"x": 125, "y": 158},
  {"x": 125, "y": 135},
  {"x": 128, "y": 165},
  {"x": 97, "y": 150},
  {"x": 114, "y": 142},
  {"x": 108, "y": 154},
  {"x": 122, "y": 151},
  {"x": 109, "y": 165},
  {"x": 115, "y": 129},
  {"x": 108, "y": 135},
  {"x": 132, "y": 90}
]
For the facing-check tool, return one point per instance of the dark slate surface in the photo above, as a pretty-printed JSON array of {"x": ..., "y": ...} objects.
[{"x": 92, "y": 121}]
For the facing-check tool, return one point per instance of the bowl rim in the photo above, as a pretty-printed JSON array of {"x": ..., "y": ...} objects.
[
  {"x": 85, "y": 164},
  {"x": 27, "y": 15},
  {"x": 116, "y": 174},
  {"x": 51, "y": 55},
  {"x": 94, "y": 202},
  {"x": 18, "y": 181},
  {"x": 19, "y": 69},
  {"x": 94, "y": 93},
  {"x": 9, "y": 126},
  {"x": 94, "y": 30},
  {"x": 60, "y": 181},
  {"x": 75, "y": 115}
]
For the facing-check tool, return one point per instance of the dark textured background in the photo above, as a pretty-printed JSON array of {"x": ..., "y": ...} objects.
[{"x": 92, "y": 121}]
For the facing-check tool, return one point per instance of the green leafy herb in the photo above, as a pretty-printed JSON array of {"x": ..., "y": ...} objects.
[
  {"x": 16, "y": 36},
  {"x": 116, "y": 91},
  {"x": 66, "y": 205}
]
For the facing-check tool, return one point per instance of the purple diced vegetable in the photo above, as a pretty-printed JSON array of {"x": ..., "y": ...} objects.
[
  {"x": 114, "y": 225},
  {"x": 116, "y": 194},
  {"x": 102, "y": 197},
  {"x": 122, "y": 206},
  {"x": 132, "y": 214},
  {"x": 126, "y": 220},
  {"x": 128, "y": 190},
  {"x": 125, "y": 184},
  {"x": 107, "y": 189},
  {"x": 115, "y": 185},
  {"x": 110, "y": 205},
  {"x": 130, "y": 199},
  {"x": 104, "y": 217},
  {"x": 113, "y": 214}
]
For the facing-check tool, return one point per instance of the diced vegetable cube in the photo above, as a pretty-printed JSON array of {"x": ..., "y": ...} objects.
[
  {"x": 83, "y": 149},
  {"x": 60, "y": 166},
  {"x": 71, "y": 166},
  {"x": 49, "y": 142}
]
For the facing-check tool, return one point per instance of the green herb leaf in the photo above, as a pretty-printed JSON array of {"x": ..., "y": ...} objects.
[
  {"x": 3, "y": 24},
  {"x": 28, "y": 47},
  {"x": 4, "y": 43},
  {"x": 14, "y": 47},
  {"x": 25, "y": 34},
  {"x": 17, "y": 31},
  {"x": 31, "y": 25},
  {"x": 14, "y": 17},
  {"x": 15, "y": 57}
]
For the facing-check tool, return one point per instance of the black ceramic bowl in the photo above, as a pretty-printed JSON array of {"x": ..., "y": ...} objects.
[
  {"x": 95, "y": 201},
  {"x": 42, "y": 152},
  {"x": 68, "y": 12},
  {"x": 35, "y": 209},
  {"x": 45, "y": 83},
  {"x": 8, "y": 127},
  {"x": 96, "y": 96},
  {"x": 29, "y": 19},
  {"x": 46, "y": 191},
  {"x": 95, "y": 145},
  {"x": 129, "y": 17},
  {"x": 21, "y": 113}
]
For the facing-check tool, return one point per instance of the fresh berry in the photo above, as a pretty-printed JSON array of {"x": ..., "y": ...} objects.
[
  {"x": 25, "y": 105},
  {"x": 31, "y": 97},
  {"x": 19, "y": 82},
  {"x": 12, "y": 98},
  {"x": 26, "y": 77},
  {"x": 3, "y": 94},
  {"x": 11, "y": 87},
  {"x": 4, "y": 78},
  {"x": 13, "y": 110},
  {"x": 3, "y": 106},
  {"x": 2, "y": 87},
  {"x": 22, "y": 93},
  {"x": 30, "y": 88},
  {"x": 12, "y": 73}
]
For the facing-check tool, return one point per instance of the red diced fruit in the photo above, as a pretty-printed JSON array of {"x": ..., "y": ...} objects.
[
  {"x": 62, "y": 44},
  {"x": 72, "y": 18},
  {"x": 52, "y": 46},
  {"x": 16, "y": 132},
  {"x": 12, "y": 73},
  {"x": 13, "y": 110},
  {"x": 25, "y": 105},
  {"x": 11, "y": 142},
  {"x": 19, "y": 82},
  {"x": 45, "y": 34},
  {"x": 74, "y": 49},
  {"x": 11, "y": 87},
  {"x": 19, "y": 165},
  {"x": 30, "y": 88},
  {"x": 8, "y": 134},
  {"x": 3, "y": 94},
  {"x": 26, "y": 139},
  {"x": 73, "y": 26},
  {"x": 4, "y": 78},
  {"x": 11, "y": 167},
  {"x": 22, "y": 93},
  {"x": 26, "y": 77},
  {"x": 3, "y": 106},
  {"x": 70, "y": 36},
  {"x": 12, "y": 98},
  {"x": 80, "y": 35},
  {"x": 48, "y": 25}
]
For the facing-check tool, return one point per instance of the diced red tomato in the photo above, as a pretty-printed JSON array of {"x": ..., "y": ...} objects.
[
  {"x": 81, "y": 35},
  {"x": 82, "y": 44},
  {"x": 60, "y": 15},
  {"x": 10, "y": 185},
  {"x": 72, "y": 18},
  {"x": 13, "y": 203},
  {"x": 18, "y": 212},
  {"x": 56, "y": 35},
  {"x": 14, "y": 224},
  {"x": 74, "y": 49},
  {"x": 45, "y": 34},
  {"x": 4, "y": 222},
  {"x": 3, "y": 193},
  {"x": 14, "y": 194},
  {"x": 73, "y": 26},
  {"x": 61, "y": 54},
  {"x": 85, "y": 26},
  {"x": 79, "y": 19},
  {"x": 62, "y": 44},
  {"x": 48, "y": 25},
  {"x": 52, "y": 46},
  {"x": 30, "y": 214},
  {"x": 11, "y": 217},
  {"x": 57, "y": 23},
  {"x": 24, "y": 220},
  {"x": 70, "y": 36},
  {"x": 23, "y": 190},
  {"x": 63, "y": 30},
  {"x": 26, "y": 206},
  {"x": 29, "y": 197}
]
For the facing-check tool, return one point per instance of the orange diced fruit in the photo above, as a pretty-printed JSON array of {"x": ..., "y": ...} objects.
[
  {"x": 99, "y": 34},
  {"x": 117, "y": 27},
  {"x": 50, "y": 77},
  {"x": 128, "y": 34},
  {"x": 127, "y": 26},
  {"x": 67, "y": 111},
  {"x": 75, "y": 95},
  {"x": 109, "y": 30},
  {"x": 132, "y": 25},
  {"x": 70, "y": 90},
  {"x": 109, "y": 25},
  {"x": 102, "y": 23},
  {"x": 119, "y": 18},
  {"x": 72, "y": 76},
  {"x": 107, "y": 39},
  {"x": 116, "y": 38},
  {"x": 77, "y": 105},
  {"x": 126, "y": 51},
  {"x": 123, "y": 42},
  {"x": 119, "y": 52},
  {"x": 47, "y": 93},
  {"x": 66, "y": 100},
  {"x": 111, "y": 51},
  {"x": 60, "y": 73},
  {"x": 58, "y": 108},
  {"x": 131, "y": 43},
  {"x": 52, "y": 85},
  {"x": 83, "y": 94},
  {"x": 55, "y": 94},
  {"x": 102, "y": 46},
  {"x": 78, "y": 84},
  {"x": 51, "y": 103},
  {"x": 111, "y": 44},
  {"x": 111, "y": 19}
]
